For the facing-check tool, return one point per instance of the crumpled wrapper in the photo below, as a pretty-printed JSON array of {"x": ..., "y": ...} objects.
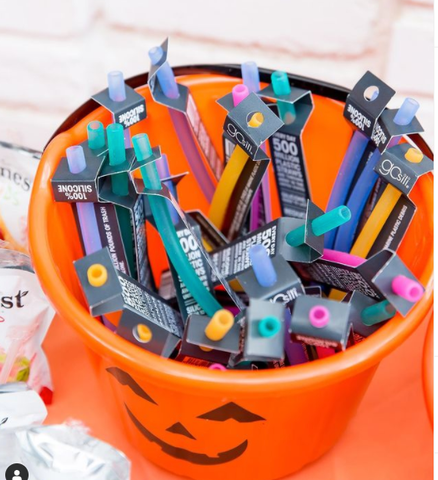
[
  {"x": 62, "y": 452},
  {"x": 52, "y": 452}
]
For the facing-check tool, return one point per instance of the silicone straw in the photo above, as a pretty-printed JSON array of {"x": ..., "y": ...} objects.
[
  {"x": 376, "y": 221},
  {"x": 251, "y": 76},
  {"x": 144, "y": 333},
  {"x": 167, "y": 231},
  {"x": 96, "y": 135},
  {"x": 262, "y": 265},
  {"x": 165, "y": 75},
  {"x": 269, "y": 326},
  {"x": 88, "y": 225},
  {"x": 230, "y": 175},
  {"x": 239, "y": 92},
  {"x": 217, "y": 366},
  {"x": 281, "y": 86},
  {"x": 342, "y": 257},
  {"x": 320, "y": 225},
  {"x": 85, "y": 210},
  {"x": 97, "y": 275},
  {"x": 406, "y": 112},
  {"x": 251, "y": 79},
  {"x": 76, "y": 159},
  {"x": 319, "y": 316},
  {"x": 365, "y": 184},
  {"x": 381, "y": 212},
  {"x": 345, "y": 176},
  {"x": 116, "y": 86},
  {"x": 407, "y": 288},
  {"x": 377, "y": 313},
  {"x": 219, "y": 325},
  {"x": 164, "y": 172},
  {"x": 117, "y": 156}
]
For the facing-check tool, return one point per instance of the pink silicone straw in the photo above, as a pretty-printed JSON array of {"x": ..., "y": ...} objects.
[
  {"x": 319, "y": 316},
  {"x": 342, "y": 257},
  {"x": 239, "y": 92},
  {"x": 217, "y": 366},
  {"x": 407, "y": 288}
]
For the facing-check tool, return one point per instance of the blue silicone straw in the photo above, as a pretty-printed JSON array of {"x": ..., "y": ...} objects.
[
  {"x": 164, "y": 172},
  {"x": 86, "y": 215},
  {"x": 166, "y": 229},
  {"x": 116, "y": 86},
  {"x": 165, "y": 75},
  {"x": 344, "y": 178},
  {"x": 251, "y": 76},
  {"x": 263, "y": 268},
  {"x": 365, "y": 183}
]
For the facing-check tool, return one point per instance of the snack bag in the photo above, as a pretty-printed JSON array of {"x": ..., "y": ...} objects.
[
  {"x": 17, "y": 171},
  {"x": 25, "y": 316}
]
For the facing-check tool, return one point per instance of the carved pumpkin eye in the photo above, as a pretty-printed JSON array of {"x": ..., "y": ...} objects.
[
  {"x": 231, "y": 411},
  {"x": 125, "y": 379}
]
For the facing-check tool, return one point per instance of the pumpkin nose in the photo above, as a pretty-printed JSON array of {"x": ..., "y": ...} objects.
[{"x": 180, "y": 429}]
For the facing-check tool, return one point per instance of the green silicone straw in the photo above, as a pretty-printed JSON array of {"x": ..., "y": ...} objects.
[
  {"x": 323, "y": 224},
  {"x": 269, "y": 326},
  {"x": 281, "y": 86},
  {"x": 96, "y": 135},
  {"x": 117, "y": 155},
  {"x": 377, "y": 313},
  {"x": 120, "y": 187},
  {"x": 167, "y": 231}
]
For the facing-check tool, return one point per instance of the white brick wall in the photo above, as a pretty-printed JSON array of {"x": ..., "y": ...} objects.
[{"x": 54, "y": 56}]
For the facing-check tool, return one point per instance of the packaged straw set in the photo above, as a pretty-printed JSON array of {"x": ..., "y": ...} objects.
[{"x": 243, "y": 290}]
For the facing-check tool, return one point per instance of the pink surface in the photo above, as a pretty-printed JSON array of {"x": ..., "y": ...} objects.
[{"x": 390, "y": 437}]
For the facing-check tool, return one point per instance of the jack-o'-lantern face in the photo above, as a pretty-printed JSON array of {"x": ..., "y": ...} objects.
[{"x": 229, "y": 411}]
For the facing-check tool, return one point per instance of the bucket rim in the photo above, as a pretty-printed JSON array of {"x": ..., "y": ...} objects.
[{"x": 363, "y": 356}]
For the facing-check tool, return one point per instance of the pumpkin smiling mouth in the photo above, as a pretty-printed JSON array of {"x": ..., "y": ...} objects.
[{"x": 183, "y": 454}]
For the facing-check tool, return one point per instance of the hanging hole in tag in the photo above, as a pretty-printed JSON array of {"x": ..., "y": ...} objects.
[
  {"x": 142, "y": 333},
  {"x": 371, "y": 93},
  {"x": 255, "y": 119}
]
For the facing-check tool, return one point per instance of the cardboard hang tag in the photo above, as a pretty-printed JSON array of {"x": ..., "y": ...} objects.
[
  {"x": 138, "y": 305},
  {"x": 360, "y": 107},
  {"x": 257, "y": 347},
  {"x": 287, "y": 152},
  {"x": 236, "y": 125},
  {"x": 79, "y": 187},
  {"x": 385, "y": 129},
  {"x": 189, "y": 115},
  {"x": 395, "y": 169},
  {"x": 335, "y": 334},
  {"x": 127, "y": 112},
  {"x": 372, "y": 278}
]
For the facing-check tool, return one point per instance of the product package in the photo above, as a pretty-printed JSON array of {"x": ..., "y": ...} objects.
[
  {"x": 25, "y": 316},
  {"x": 18, "y": 166}
]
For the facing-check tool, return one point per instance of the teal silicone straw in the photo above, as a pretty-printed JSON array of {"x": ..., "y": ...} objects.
[
  {"x": 96, "y": 135},
  {"x": 281, "y": 86},
  {"x": 269, "y": 326},
  {"x": 377, "y": 313},
  {"x": 323, "y": 224},
  {"x": 167, "y": 231},
  {"x": 117, "y": 155}
]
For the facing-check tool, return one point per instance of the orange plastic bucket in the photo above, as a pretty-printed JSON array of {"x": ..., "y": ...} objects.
[
  {"x": 428, "y": 370},
  {"x": 195, "y": 422}
]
